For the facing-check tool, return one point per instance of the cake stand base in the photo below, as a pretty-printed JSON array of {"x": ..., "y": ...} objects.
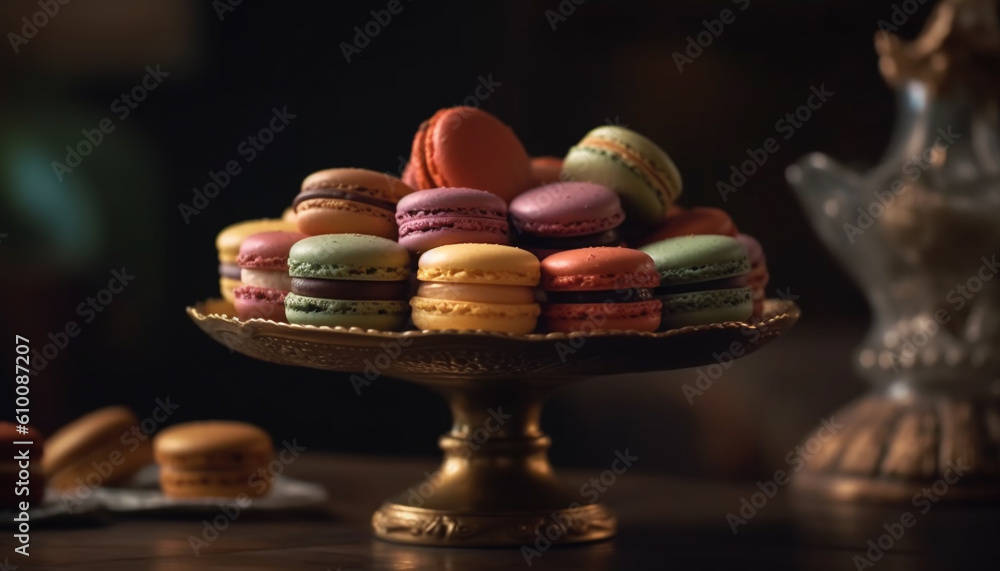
[
  {"x": 496, "y": 486},
  {"x": 910, "y": 449}
]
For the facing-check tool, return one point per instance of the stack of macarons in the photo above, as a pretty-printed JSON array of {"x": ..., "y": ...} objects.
[
  {"x": 263, "y": 262},
  {"x": 473, "y": 213},
  {"x": 348, "y": 280}
]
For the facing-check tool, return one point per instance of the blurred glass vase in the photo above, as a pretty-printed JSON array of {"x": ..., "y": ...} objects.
[{"x": 920, "y": 232}]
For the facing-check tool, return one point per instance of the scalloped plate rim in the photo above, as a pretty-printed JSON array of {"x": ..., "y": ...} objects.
[{"x": 789, "y": 310}]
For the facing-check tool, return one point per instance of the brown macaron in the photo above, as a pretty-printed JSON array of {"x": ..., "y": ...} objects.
[
  {"x": 214, "y": 459},
  {"x": 103, "y": 448},
  {"x": 21, "y": 479},
  {"x": 347, "y": 200}
]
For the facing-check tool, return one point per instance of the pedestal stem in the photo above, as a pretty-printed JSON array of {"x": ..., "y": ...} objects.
[{"x": 496, "y": 486}]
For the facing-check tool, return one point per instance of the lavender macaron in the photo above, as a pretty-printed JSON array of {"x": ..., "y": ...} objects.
[
  {"x": 566, "y": 216},
  {"x": 440, "y": 216}
]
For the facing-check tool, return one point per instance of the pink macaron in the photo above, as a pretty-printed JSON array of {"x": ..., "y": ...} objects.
[
  {"x": 566, "y": 216},
  {"x": 759, "y": 275},
  {"x": 440, "y": 216},
  {"x": 263, "y": 261}
]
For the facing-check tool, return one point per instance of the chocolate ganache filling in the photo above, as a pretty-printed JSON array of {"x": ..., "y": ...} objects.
[
  {"x": 335, "y": 194},
  {"x": 724, "y": 283},
  {"x": 606, "y": 238},
  {"x": 354, "y": 290}
]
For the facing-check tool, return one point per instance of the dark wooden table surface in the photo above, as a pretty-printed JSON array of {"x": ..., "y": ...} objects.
[{"x": 664, "y": 523}]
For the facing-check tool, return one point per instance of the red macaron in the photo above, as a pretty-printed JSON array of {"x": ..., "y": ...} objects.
[
  {"x": 468, "y": 147},
  {"x": 695, "y": 221},
  {"x": 600, "y": 288},
  {"x": 263, "y": 262}
]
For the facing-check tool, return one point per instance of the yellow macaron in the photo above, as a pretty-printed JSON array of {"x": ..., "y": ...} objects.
[
  {"x": 228, "y": 244},
  {"x": 477, "y": 286}
]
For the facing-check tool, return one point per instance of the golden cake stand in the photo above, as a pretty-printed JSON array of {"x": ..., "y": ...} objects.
[{"x": 496, "y": 486}]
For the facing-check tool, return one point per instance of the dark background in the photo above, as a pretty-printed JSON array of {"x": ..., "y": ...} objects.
[{"x": 607, "y": 61}]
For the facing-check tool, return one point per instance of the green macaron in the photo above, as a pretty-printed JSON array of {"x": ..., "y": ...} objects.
[
  {"x": 704, "y": 279},
  {"x": 348, "y": 280},
  {"x": 642, "y": 174}
]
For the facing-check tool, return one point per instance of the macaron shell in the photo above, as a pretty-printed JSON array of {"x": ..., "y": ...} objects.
[
  {"x": 596, "y": 269},
  {"x": 692, "y": 259},
  {"x": 379, "y": 186},
  {"x": 87, "y": 432},
  {"x": 260, "y": 303},
  {"x": 586, "y": 317},
  {"x": 267, "y": 250},
  {"x": 632, "y": 165},
  {"x": 479, "y": 263},
  {"x": 83, "y": 469},
  {"x": 332, "y": 216},
  {"x": 468, "y": 147},
  {"x": 707, "y": 307},
  {"x": 415, "y": 173},
  {"x": 380, "y": 315},
  {"x": 199, "y": 438},
  {"x": 696, "y": 221},
  {"x": 566, "y": 209},
  {"x": 439, "y": 314},
  {"x": 349, "y": 257}
]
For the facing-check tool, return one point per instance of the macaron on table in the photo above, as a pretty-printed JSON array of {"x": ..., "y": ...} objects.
[{"x": 490, "y": 327}]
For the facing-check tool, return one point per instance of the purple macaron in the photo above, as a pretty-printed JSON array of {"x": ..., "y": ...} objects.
[
  {"x": 439, "y": 216},
  {"x": 566, "y": 216}
]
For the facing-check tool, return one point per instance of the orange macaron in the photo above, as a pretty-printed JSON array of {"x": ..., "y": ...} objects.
[
  {"x": 103, "y": 448},
  {"x": 214, "y": 459},
  {"x": 347, "y": 200},
  {"x": 468, "y": 147}
]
